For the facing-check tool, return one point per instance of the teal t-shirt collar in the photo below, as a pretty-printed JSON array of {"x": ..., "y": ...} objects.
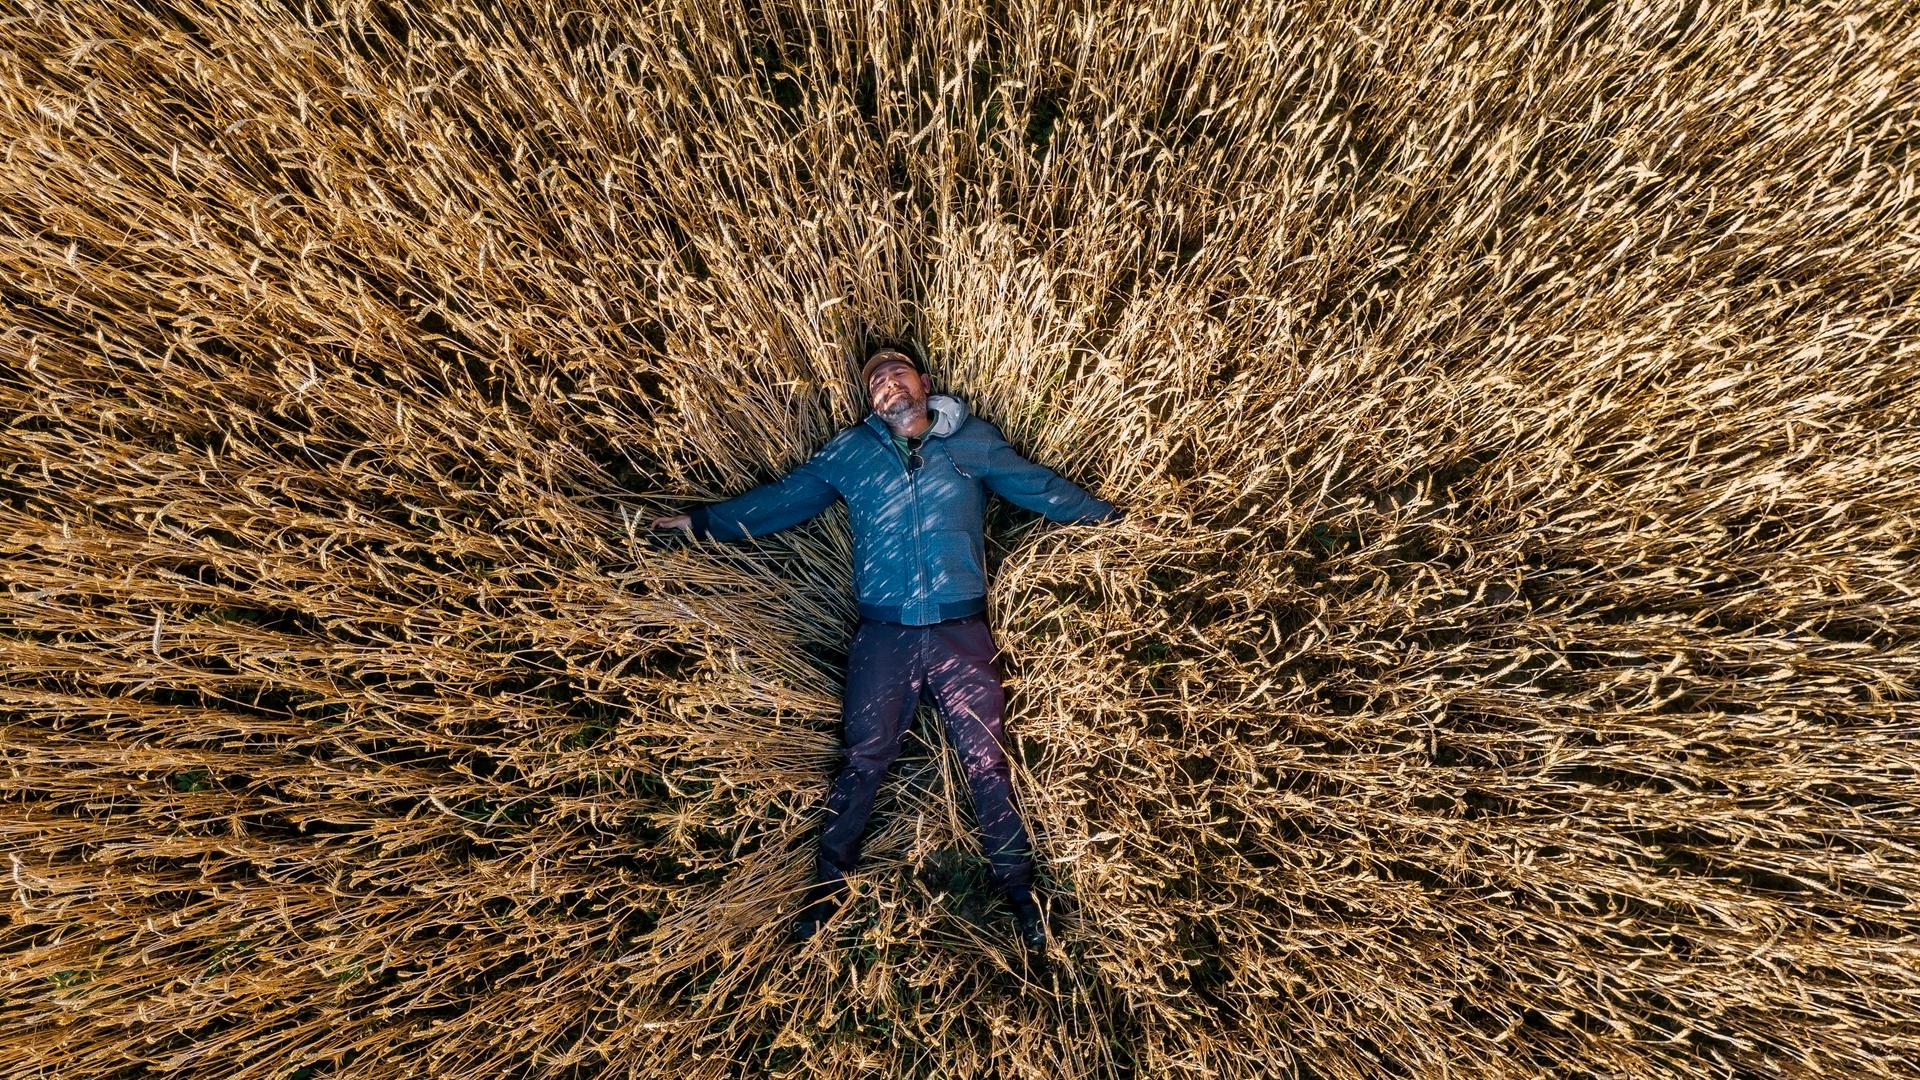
[{"x": 907, "y": 445}]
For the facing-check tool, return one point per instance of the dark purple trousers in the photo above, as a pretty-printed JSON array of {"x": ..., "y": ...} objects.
[{"x": 889, "y": 669}]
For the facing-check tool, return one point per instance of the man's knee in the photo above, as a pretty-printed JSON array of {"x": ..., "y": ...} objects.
[{"x": 870, "y": 759}]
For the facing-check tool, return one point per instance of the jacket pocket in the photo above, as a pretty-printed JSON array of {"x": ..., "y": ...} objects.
[
  {"x": 956, "y": 568},
  {"x": 964, "y": 461},
  {"x": 876, "y": 576}
]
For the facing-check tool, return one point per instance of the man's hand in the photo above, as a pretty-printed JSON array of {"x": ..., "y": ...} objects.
[{"x": 677, "y": 521}]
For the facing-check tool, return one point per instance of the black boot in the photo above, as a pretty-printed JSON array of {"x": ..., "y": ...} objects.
[
  {"x": 1032, "y": 924},
  {"x": 822, "y": 900}
]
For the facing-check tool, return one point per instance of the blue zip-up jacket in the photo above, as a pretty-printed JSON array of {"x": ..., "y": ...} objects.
[{"x": 919, "y": 554}]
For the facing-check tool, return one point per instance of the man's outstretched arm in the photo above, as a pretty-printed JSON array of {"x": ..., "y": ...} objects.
[
  {"x": 781, "y": 504},
  {"x": 1038, "y": 488}
]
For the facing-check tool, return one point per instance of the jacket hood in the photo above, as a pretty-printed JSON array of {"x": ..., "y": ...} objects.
[{"x": 948, "y": 414}]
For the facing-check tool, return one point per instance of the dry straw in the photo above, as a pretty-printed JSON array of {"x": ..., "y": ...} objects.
[{"x": 1507, "y": 669}]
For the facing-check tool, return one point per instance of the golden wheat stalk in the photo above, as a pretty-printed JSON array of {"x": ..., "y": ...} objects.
[{"x": 1507, "y": 668}]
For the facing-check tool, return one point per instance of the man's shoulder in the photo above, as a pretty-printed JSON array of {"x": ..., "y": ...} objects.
[
  {"x": 845, "y": 435},
  {"x": 843, "y": 446},
  {"x": 978, "y": 428}
]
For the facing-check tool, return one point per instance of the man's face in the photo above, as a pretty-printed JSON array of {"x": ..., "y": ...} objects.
[{"x": 897, "y": 392}]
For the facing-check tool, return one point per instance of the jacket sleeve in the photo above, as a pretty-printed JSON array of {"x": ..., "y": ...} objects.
[
  {"x": 1038, "y": 488},
  {"x": 781, "y": 504}
]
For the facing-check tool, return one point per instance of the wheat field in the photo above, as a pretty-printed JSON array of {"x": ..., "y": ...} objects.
[{"x": 1507, "y": 668}]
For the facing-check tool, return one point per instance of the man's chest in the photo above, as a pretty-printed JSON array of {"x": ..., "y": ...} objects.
[{"x": 937, "y": 487}]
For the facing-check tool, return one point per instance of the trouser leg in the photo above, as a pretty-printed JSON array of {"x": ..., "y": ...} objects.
[
  {"x": 884, "y": 682},
  {"x": 964, "y": 673}
]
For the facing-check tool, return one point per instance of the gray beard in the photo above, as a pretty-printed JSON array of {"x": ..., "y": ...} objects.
[{"x": 898, "y": 414}]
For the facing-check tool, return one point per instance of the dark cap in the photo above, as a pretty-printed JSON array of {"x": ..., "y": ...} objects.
[{"x": 881, "y": 354}]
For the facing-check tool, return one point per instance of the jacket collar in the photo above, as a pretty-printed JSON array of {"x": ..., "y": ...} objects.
[{"x": 948, "y": 413}]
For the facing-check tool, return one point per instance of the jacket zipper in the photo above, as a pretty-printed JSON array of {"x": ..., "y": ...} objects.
[{"x": 919, "y": 557}]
